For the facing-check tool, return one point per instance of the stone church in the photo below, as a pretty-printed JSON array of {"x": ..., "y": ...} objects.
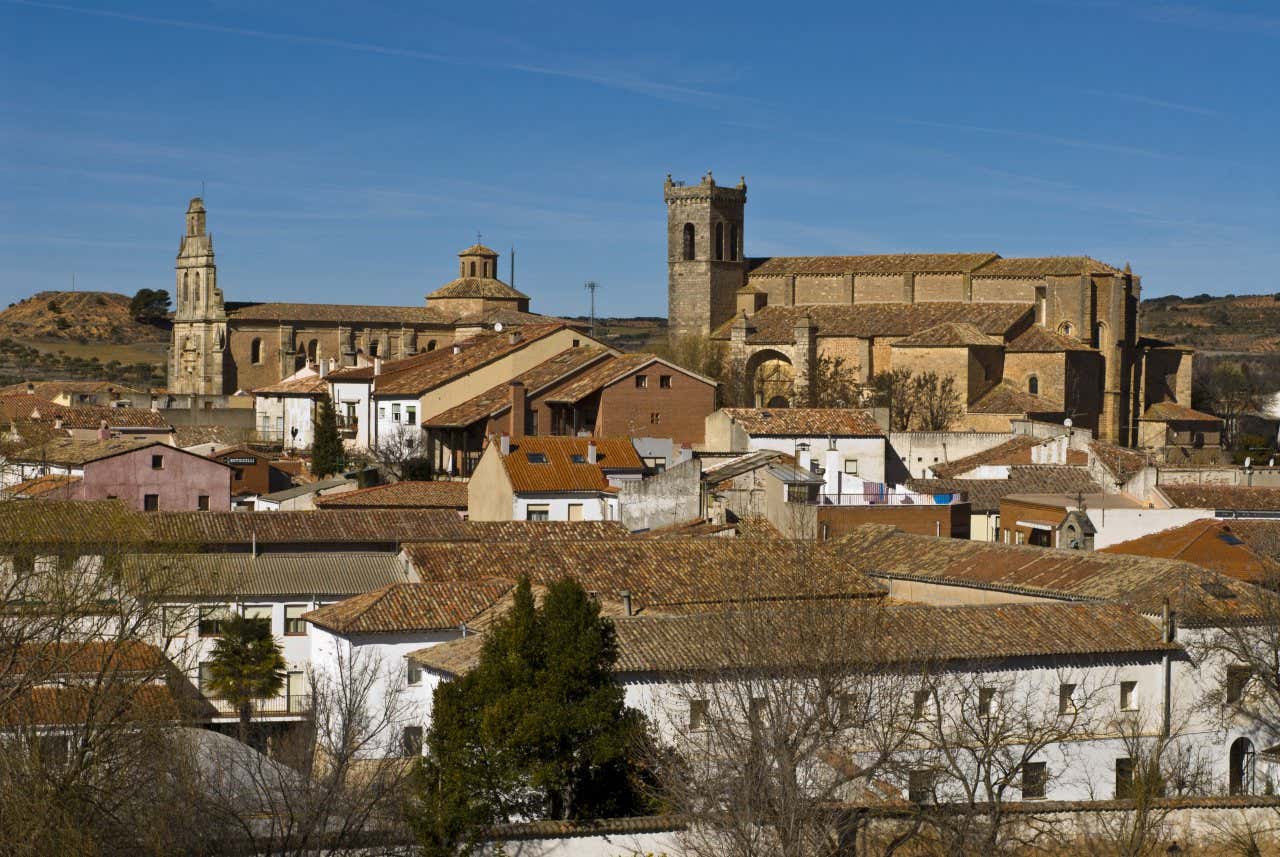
[
  {"x": 1051, "y": 337},
  {"x": 219, "y": 348}
]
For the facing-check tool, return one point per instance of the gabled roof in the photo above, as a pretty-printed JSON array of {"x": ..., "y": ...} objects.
[
  {"x": 1237, "y": 498},
  {"x": 336, "y": 313},
  {"x": 1208, "y": 543},
  {"x": 400, "y": 495},
  {"x": 985, "y": 494},
  {"x": 881, "y": 263},
  {"x": 92, "y": 416},
  {"x": 403, "y": 607},
  {"x": 1261, "y": 535},
  {"x": 1173, "y": 412},
  {"x": 416, "y": 375},
  {"x": 53, "y": 389},
  {"x": 1004, "y": 398},
  {"x": 70, "y": 452},
  {"x": 294, "y": 491},
  {"x": 949, "y": 334},
  {"x": 195, "y": 575},
  {"x": 805, "y": 422},
  {"x": 1037, "y": 339},
  {"x": 19, "y": 406},
  {"x": 776, "y": 324},
  {"x": 611, "y": 371},
  {"x": 1045, "y": 266},
  {"x": 477, "y": 287},
  {"x": 1122, "y": 463},
  {"x": 550, "y": 464},
  {"x": 322, "y": 526},
  {"x": 311, "y": 385},
  {"x": 1015, "y": 450}
]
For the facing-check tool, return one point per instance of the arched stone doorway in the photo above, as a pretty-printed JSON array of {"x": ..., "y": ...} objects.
[
  {"x": 772, "y": 379},
  {"x": 1242, "y": 758}
]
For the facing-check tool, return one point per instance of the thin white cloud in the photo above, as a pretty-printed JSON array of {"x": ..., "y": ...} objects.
[
  {"x": 1152, "y": 102},
  {"x": 610, "y": 79}
]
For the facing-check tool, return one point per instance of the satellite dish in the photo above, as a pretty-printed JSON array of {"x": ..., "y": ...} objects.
[
  {"x": 1067, "y": 422},
  {"x": 497, "y": 327}
]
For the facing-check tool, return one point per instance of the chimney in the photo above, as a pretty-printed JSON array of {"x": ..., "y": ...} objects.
[
  {"x": 625, "y": 595},
  {"x": 104, "y": 433},
  {"x": 31, "y": 388},
  {"x": 457, "y": 349},
  {"x": 324, "y": 368},
  {"x": 591, "y": 452},
  {"x": 519, "y": 408},
  {"x": 504, "y": 444},
  {"x": 513, "y": 337},
  {"x": 57, "y": 422},
  {"x": 377, "y": 365}
]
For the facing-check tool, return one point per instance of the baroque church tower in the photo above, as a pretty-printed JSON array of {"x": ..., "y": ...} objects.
[
  {"x": 199, "y": 343},
  {"x": 705, "y": 265}
]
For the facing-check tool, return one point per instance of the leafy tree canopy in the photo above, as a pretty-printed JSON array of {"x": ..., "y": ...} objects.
[{"x": 149, "y": 305}]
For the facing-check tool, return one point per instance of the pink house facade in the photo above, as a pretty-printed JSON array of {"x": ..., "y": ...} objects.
[{"x": 157, "y": 477}]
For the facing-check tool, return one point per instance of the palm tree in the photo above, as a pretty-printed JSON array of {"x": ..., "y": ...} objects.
[{"x": 247, "y": 664}]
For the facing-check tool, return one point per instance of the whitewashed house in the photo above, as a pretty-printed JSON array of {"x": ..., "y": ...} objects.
[{"x": 286, "y": 412}]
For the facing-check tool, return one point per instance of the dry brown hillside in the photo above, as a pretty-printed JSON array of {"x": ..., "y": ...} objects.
[
  {"x": 93, "y": 317},
  {"x": 1235, "y": 324}
]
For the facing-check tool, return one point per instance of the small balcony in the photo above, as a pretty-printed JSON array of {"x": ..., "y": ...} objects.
[
  {"x": 289, "y": 705},
  {"x": 348, "y": 426}
]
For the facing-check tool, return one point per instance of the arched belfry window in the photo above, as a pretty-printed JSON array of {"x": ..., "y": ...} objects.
[
  {"x": 1033, "y": 385},
  {"x": 719, "y": 241},
  {"x": 1066, "y": 329},
  {"x": 313, "y": 349},
  {"x": 373, "y": 348},
  {"x": 473, "y": 269},
  {"x": 431, "y": 345},
  {"x": 734, "y": 239},
  {"x": 688, "y": 242},
  {"x": 255, "y": 351}
]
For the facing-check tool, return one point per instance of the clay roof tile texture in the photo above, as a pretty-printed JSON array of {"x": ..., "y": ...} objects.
[
  {"x": 556, "y": 464},
  {"x": 416, "y": 375},
  {"x": 1174, "y": 412},
  {"x": 776, "y": 324},
  {"x": 949, "y": 334},
  {"x": 1208, "y": 543},
  {"x": 401, "y": 607},
  {"x": 805, "y": 422},
  {"x": 1232, "y": 497},
  {"x": 400, "y": 495},
  {"x": 1041, "y": 340},
  {"x": 882, "y": 263},
  {"x": 1016, "y": 450}
]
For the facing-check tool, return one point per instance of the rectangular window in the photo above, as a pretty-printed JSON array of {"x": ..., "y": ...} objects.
[
  {"x": 157, "y": 462},
  {"x": 210, "y": 624},
  {"x": 1034, "y": 779},
  {"x": 1237, "y": 680},
  {"x": 297, "y": 698},
  {"x": 575, "y": 512},
  {"x": 206, "y": 676},
  {"x": 664, "y": 382},
  {"x": 411, "y": 414},
  {"x": 177, "y": 622},
  {"x": 1066, "y": 699},
  {"x": 150, "y": 502},
  {"x": 294, "y": 624},
  {"x": 851, "y": 466},
  {"x": 1124, "y": 778},
  {"x": 757, "y": 709},
  {"x": 986, "y": 701},
  {"x": 202, "y": 502},
  {"x": 922, "y": 704},
  {"x": 538, "y": 513},
  {"x": 642, "y": 382},
  {"x": 1019, "y": 537},
  {"x": 698, "y": 719},
  {"x": 382, "y": 412},
  {"x": 1128, "y": 696},
  {"x": 259, "y": 613},
  {"x": 655, "y": 418},
  {"x": 412, "y": 673},
  {"x": 395, "y": 412},
  {"x": 412, "y": 740},
  {"x": 55, "y": 750},
  {"x": 920, "y": 786}
]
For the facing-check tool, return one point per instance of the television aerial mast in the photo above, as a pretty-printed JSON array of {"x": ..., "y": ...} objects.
[{"x": 591, "y": 286}]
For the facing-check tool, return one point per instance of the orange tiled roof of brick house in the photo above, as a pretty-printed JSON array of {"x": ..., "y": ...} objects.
[
  {"x": 806, "y": 422},
  {"x": 420, "y": 373},
  {"x": 551, "y": 463},
  {"x": 400, "y": 495},
  {"x": 1262, "y": 535},
  {"x": 1208, "y": 543},
  {"x": 19, "y": 406},
  {"x": 605, "y": 373},
  {"x": 433, "y": 606}
]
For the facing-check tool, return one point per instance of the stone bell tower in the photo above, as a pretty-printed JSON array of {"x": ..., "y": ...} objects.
[
  {"x": 198, "y": 348},
  {"x": 705, "y": 265}
]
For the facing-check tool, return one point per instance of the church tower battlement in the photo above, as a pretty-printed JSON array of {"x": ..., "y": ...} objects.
[
  {"x": 705, "y": 262},
  {"x": 199, "y": 341}
]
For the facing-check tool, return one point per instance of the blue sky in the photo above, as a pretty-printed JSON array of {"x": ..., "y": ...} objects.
[{"x": 350, "y": 150}]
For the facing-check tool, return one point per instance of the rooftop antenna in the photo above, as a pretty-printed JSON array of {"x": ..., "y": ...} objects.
[
  {"x": 512, "y": 281},
  {"x": 591, "y": 286},
  {"x": 73, "y": 281},
  {"x": 202, "y": 188}
]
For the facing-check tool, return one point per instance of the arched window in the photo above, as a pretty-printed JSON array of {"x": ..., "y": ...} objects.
[
  {"x": 1241, "y": 765},
  {"x": 473, "y": 269},
  {"x": 719, "y": 241},
  {"x": 688, "y": 242},
  {"x": 1033, "y": 385},
  {"x": 1100, "y": 335},
  {"x": 734, "y": 239},
  {"x": 1066, "y": 328},
  {"x": 373, "y": 348},
  {"x": 255, "y": 351},
  {"x": 313, "y": 348},
  {"x": 431, "y": 345}
]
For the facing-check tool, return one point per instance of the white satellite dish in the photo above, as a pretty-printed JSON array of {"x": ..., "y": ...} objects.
[
  {"x": 1067, "y": 422},
  {"x": 497, "y": 327}
]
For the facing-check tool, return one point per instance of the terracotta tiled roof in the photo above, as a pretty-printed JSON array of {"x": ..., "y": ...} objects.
[
  {"x": 1015, "y": 450},
  {"x": 884, "y": 263},
  {"x": 1261, "y": 535},
  {"x": 69, "y": 706},
  {"x": 605, "y": 373},
  {"x": 1198, "y": 595},
  {"x": 477, "y": 287},
  {"x": 400, "y": 495},
  {"x": 402, "y": 607},
  {"x": 497, "y": 400},
  {"x": 380, "y": 526},
  {"x": 1037, "y": 339},
  {"x": 1173, "y": 412},
  {"x": 92, "y": 416},
  {"x": 212, "y": 435},
  {"x": 311, "y": 385},
  {"x": 1045, "y": 266},
  {"x": 345, "y": 314},
  {"x": 545, "y": 531},
  {"x": 243, "y": 574},
  {"x": 69, "y": 452},
  {"x": 1209, "y": 544},
  {"x": 426, "y": 371},
  {"x": 1233, "y": 497},
  {"x": 776, "y": 324},
  {"x": 86, "y": 658},
  {"x": 551, "y": 464},
  {"x": 1004, "y": 398},
  {"x": 985, "y": 494},
  {"x": 660, "y": 572},
  {"x": 478, "y": 250},
  {"x": 805, "y": 422},
  {"x": 949, "y": 334},
  {"x": 53, "y": 389},
  {"x": 18, "y": 406},
  {"x": 70, "y": 522},
  {"x": 1123, "y": 463},
  {"x": 53, "y": 485}
]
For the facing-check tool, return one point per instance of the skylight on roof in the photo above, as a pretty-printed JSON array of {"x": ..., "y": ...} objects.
[
  {"x": 1230, "y": 539},
  {"x": 536, "y": 457},
  {"x": 578, "y": 458}
]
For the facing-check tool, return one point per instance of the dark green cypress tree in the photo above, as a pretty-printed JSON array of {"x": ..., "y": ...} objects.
[{"x": 327, "y": 454}]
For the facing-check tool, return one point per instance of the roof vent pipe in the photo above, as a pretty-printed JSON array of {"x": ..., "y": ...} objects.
[
  {"x": 592, "y": 455},
  {"x": 625, "y": 595},
  {"x": 504, "y": 444}
]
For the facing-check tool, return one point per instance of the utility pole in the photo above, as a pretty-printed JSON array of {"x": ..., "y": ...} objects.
[{"x": 591, "y": 286}]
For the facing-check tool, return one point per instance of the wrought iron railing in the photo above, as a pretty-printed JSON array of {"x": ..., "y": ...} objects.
[{"x": 293, "y": 703}]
